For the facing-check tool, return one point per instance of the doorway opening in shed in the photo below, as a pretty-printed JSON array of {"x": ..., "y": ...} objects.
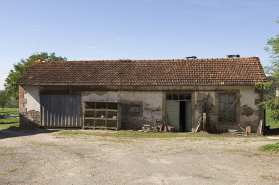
[{"x": 178, "y": 106}]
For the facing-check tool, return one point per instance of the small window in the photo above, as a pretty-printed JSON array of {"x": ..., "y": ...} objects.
[
  {"x": 175, "y": 96},
  {"x": 227, "y": 110},
  {"x": 132, "y": 109},
  {"x": 179, "y": 96},
  {"x": 169, "y": 96},
  {"x": 182, "y": 97},
  {"x": 188, "y": 96}
]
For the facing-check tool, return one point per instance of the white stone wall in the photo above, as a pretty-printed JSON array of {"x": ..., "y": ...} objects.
[
  {"x": 32, "y": 98},
  {"x": 247, "y": 111},
  {"x": 151, "y": 102},
  {"x": 151, "y": 105},
  {"x": 99, "y": 96}
]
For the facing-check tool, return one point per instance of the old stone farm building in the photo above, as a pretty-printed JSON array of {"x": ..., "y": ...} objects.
[{"x": 126, "y": 94}]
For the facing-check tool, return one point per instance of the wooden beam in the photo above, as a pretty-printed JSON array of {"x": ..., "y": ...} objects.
[{"x": 231, "y": 105}]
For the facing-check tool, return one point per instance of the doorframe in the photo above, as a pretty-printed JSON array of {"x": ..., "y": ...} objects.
[{"x": 192, "y": 100}]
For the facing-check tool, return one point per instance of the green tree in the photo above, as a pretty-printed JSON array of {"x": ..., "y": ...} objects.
[
  {"x": 20, "y": 68},
  {"x": 273, "y": 50},
  {"x": 272, "y": 101},
  {"x": 3, "y": 99}
]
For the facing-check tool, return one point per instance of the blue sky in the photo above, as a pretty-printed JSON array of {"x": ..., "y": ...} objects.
[{"x": 135, "y": 29}]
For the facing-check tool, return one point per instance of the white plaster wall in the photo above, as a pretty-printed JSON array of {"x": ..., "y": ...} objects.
[
  {"x": 100, "y": 96},
  {"x": 248, "y": 98},
  {"x": 32, "y": 98},
  {"x": 151, "y": 103},
  {"x": 197, "y": 113}
]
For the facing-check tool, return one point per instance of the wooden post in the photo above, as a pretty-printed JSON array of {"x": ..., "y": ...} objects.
[{"x": 260, "y": 128}]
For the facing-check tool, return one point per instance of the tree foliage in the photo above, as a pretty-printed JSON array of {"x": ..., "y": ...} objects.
[
  {"x": 20, "y": 68},
  {"x": 273, "y": 49},
  {"x": 3, "y": 99},
  {"x": 271, "y": 100}
]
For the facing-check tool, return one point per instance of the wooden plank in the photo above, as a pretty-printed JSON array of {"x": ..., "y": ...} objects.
[{"x": 231, "y": 106}]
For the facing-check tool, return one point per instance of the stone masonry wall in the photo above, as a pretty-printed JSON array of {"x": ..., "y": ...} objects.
[{"x": 28, "y": 118}]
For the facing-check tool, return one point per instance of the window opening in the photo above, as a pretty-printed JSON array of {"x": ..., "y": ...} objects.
[
  {"x": 227, "y": 112},
  {"x": 132, "y": 109}
]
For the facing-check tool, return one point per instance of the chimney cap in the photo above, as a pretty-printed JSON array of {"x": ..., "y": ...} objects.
[
  {"x": 233, "y": 56},
  {"x": 194, "y": 57}
]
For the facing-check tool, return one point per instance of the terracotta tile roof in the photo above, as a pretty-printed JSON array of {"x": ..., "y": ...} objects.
[{"x": 219, "y": 71}]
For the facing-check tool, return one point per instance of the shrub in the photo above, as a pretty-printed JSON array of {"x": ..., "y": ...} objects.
[{"x": 270, "y": 147}]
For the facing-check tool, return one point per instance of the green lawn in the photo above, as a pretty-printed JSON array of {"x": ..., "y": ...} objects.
[
  {"x": 137, "y": 135},
  {"x": 9, "y": 111},
  {"x": 270, "y": 121},
  {"x": 9, "y": 123},
  {"x": 270, "y": 147},
  {"x": 12, "y": 126},
  {"x": 9, "y": 120}
]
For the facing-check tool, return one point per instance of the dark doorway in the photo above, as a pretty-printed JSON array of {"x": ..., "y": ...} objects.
[{"x": 182, "y": 116}]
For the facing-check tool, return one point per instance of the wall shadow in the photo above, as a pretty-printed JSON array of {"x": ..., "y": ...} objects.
[
  {"x": 18, "y": 132},
  {"x": 271, "y": 132}
]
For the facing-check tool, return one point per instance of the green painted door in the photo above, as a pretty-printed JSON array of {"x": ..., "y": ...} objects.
[
  {"x": 188, "y": 115},
  {"x": 173, "y": 113}
]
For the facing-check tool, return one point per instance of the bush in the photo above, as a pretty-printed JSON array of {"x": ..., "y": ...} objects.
[
  {"x": 12, "y": 104},
  {"x": 270, "y": 147}
]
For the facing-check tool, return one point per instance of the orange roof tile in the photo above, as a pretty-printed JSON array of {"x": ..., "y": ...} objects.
[{"x": 219, "y": 71}]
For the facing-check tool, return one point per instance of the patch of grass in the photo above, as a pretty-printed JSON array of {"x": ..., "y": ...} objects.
[
  {"x": 9, "y": 120},
  {"x": 138, "y": 135},
  {"x": 270, "y": 147},
  {"x": 23, "y": 162},
  {"x": 119, "y": 140},
  {"x": 80, "y": 155},
  {"x": 232, "y": 150},
  {"x": 13, "y": 126},
  {"x": 6, "y": 150},
  {"x": 43, "y": 144},
  {"x": 9, "y": 111},
  {"x": 248, "y": 155},
  {"x": 269, "y": 120},
  {"x": 13, "y": 170},
  {"x": 270, "y": 177}
]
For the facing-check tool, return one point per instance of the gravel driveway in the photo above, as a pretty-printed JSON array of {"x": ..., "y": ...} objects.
[{"x": 55, "y": 158}]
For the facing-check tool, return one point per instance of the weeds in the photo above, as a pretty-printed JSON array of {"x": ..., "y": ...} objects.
[
  {"x": 9, "y": 111},
  {"x": 270, "y": 147},
  {"x": 137, "y": 135},
  {"x": 232, "y": 150},
  {"x": 23, "y": 162},
  {"x": 9, "y": 120},
  {"x": 43, "y": 144},
  {"x": 13, "y": 170},
  {"x": 6, "y": 150},
  {"x": 80, "y": 155},
  {"x": 9, "y": 125}
]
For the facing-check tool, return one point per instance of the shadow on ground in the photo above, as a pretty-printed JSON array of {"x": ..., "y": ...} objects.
[
  {"x": 271, "y": 132},
  {"x": 17, "y": 132}
]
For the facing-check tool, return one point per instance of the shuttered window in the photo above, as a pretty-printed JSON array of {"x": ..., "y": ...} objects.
[
  {"x": 227, "y": 111},
  {"x": 132, "y": 109}
]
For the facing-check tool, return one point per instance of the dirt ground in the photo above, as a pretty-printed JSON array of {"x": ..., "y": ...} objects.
[{"x": 53, "y": 158}]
